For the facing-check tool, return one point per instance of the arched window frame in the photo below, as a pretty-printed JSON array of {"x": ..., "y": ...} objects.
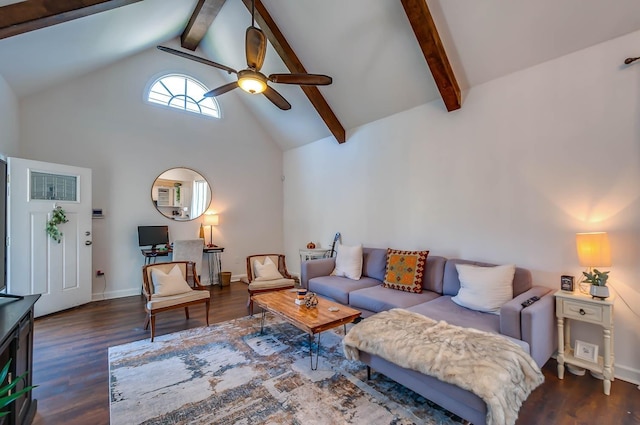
[{"x": 182, "y": 92}]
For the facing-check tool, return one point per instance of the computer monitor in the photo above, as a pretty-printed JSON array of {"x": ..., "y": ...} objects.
[{"x": 153, "y": 235}]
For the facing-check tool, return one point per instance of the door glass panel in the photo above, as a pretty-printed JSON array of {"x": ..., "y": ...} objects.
[{"x": 56, "y": 187}]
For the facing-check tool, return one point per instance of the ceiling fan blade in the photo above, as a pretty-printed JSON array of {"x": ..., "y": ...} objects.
[
  {"x": 301, "y": 79},
  {"x": 255, "y": 47},
  {"x": 222, "y": 89},
  {"x": 277, "y": 99},
  {"x": 197, "y": 59}
]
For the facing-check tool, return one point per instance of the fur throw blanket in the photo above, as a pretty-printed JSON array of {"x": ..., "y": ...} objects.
[{"x": 495, "y": 369}]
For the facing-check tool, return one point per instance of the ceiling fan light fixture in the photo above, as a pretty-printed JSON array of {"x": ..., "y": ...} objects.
[{"x": 252, "y": 82}]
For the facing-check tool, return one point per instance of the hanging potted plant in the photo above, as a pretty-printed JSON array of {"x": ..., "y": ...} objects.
[
  {"x": 598, "y": 281},
  {"x": 58, "y": 216}
]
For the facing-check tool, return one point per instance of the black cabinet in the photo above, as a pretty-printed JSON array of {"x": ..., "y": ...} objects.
[{"x": 16, "y": 330}]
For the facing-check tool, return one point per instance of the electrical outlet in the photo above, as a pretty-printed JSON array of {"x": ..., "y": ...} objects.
[{"x": 99, "y": 273}]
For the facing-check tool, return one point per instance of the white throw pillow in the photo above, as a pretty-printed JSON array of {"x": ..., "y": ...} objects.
[
  {"x": 348, "y": 262},
  {"x": 266, "y": 271},
  {"x": 484, "y": 288},
  {"x": 166, "y": 284}
]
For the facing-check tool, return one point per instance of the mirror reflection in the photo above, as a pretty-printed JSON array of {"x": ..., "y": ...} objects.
[{"x": 181, "y": 194}]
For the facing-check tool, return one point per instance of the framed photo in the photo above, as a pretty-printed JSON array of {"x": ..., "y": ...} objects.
[
  {"x": 586, "y": 351},
  {"x": 566, "y": 283}
]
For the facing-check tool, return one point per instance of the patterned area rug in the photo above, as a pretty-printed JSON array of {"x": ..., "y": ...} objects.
[{"x": 230, "y": 374}]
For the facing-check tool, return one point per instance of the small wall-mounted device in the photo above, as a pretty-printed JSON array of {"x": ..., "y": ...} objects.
[{"x": 566, "y": 283}]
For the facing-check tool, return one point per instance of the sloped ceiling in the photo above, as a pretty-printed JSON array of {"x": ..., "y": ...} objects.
[{"x": 367, "y": 46}]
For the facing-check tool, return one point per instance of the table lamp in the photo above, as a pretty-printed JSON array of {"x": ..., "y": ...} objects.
[
  {"x": 211, "y": 219},
  {"x": 593, "y": 251}
]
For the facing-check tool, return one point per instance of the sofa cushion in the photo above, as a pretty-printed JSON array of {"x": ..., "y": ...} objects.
[
  {"x": 379, "y": 298},
  {"x": 433, "y": 274},
  {"x": 374, "y": 262},
  {"x": 405, "y": 270},
  {"x": 484, "y": 288},
  {"x": 442, "y": 308},
  {"x": 338, "y": 288},
  {"x": 348, "y": 262},
  {"x": 522, "y": 280}
]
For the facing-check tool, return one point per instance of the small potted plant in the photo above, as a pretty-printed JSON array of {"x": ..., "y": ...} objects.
[
  {"x": 598, "y": 281},
  {"x": 7, "y": 392}
]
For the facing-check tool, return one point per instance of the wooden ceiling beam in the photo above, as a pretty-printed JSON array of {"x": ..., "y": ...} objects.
[
  {"x": 290, "y": 59},
  {"x": 31, "y": 15},
  {"x": 201, "y": 19},
  {"x": 429, "y": 40}
]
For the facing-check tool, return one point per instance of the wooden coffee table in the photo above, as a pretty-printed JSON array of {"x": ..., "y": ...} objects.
[{"x": 313, "y": 321}]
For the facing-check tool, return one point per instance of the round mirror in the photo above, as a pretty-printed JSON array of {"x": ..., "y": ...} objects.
[{"x": 181, "y": 194}]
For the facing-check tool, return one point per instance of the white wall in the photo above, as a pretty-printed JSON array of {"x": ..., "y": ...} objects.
[
  {"x": 101, "y": 122},
  {"x": 529, "y": 160},
  {"x": 8, "y": 120}
]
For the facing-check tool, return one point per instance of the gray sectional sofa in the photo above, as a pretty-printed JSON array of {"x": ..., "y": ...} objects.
[{"x": 533, "y": 327}]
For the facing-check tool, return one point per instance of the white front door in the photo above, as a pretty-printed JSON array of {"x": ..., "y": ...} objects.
[{"x": 36, "y": 263}]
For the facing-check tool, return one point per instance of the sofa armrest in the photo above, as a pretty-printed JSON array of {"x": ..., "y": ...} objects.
[
  {"x": 539, "y": 328},
  {"x": 534, "y": 324},
  {"x": 315, "y": 268}
]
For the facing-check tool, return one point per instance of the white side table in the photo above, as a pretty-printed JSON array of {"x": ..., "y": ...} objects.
[
  {"x": 584, "y": 308},
  {"x": 312, "y": 254}
]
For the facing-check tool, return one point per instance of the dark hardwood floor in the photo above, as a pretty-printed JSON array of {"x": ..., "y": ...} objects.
[{"x": 70, "y": 366}]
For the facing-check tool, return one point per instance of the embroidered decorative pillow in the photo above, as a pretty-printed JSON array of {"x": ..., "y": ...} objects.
[
  {"x": 266, "y": 271},
  {"x": 405, "y": 270},
  {"x": 166, "y": 284},
  {"x": 484, "y": 288},
  {"x": 348, "y": 262}
]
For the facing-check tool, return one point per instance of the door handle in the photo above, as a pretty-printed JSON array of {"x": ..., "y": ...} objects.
[
  {"x": 87, "y": 243},
  {"x": 87, "y": 233}
]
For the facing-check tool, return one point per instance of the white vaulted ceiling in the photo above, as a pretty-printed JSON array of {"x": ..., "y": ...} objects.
[{"x": 367, "y": 46}]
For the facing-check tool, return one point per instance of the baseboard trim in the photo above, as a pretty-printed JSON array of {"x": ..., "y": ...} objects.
[
  {"x": 628, "y": 374},
  {"x": 115, "y": 294},
  {"x": 234, "y": 278},
  {"x": 99, "y": 296}
]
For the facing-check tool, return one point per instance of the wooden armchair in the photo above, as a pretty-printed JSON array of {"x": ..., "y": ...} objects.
[
  {"x": 269, "y": 282},
  {"x": 165, "y": 287}
]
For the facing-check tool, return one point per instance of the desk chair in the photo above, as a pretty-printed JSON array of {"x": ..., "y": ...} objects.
[
  {"x": 165, "y": 288},
  {"x": 189, "y": 250},
  {"x": 267, "y": 283}
]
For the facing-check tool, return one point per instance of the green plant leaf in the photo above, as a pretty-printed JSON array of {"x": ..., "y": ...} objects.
[{"x": 5, "y": 372}]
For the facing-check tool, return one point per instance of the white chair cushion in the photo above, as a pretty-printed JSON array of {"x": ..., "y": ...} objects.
[
  {"x": 172, "y": 283},
  {"x": 484, "y": 288},
  {"x": 161, "y": 302},
  {"x": 271, "y": 284},
  {"x": 266, "y": 271},
  {"x": 348, "y": 262}
]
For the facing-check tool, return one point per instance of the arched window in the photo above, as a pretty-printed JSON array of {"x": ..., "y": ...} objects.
[{"x": 183, "y": 92}]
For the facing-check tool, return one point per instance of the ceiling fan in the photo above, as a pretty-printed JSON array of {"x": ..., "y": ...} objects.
[{"x": 251, "y": 79}]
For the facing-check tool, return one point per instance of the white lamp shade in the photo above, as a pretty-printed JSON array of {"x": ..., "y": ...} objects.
[
  {"x": 211, "y": 219},
  {"x": 593, "y": 249}
]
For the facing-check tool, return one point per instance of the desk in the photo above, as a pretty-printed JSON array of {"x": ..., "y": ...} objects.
[
  {"x": 215, "y": 263},
  {"x": 150, "y": 255},
  {"x": 213, "y": 259}
]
